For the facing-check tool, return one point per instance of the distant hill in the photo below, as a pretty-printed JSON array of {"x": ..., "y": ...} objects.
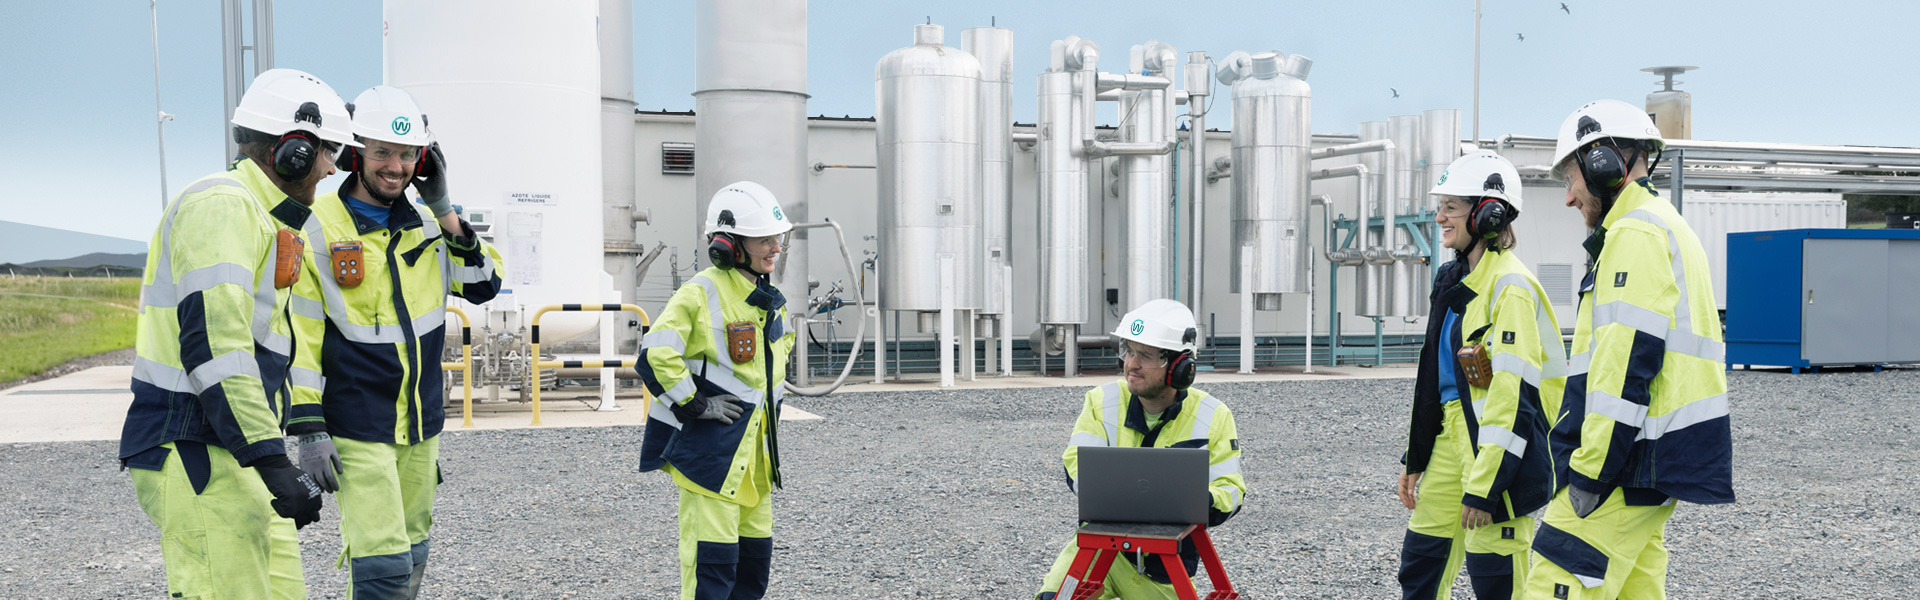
[
  {"x": 25, "y": 244},
  {"x": 136, "y": 261}
]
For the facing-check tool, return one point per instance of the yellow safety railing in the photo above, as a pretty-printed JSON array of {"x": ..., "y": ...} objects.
[
  {"x": 465, "y": 366},
  {"x": 603, "y": 363}
]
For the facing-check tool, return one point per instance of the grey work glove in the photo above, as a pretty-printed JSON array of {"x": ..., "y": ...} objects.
[
  {"x": 319, "y": 459},
  {"x": 431, "y": 181},
  {"x": 1584, "y": 502},
  {"x": 723, "y": 408},
  {"x": 295, "y": 496}
]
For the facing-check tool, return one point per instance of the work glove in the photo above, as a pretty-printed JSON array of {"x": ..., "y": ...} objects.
[
  {"x": 294, "y": 494},
  {"x": 431, "y": 182},
  {"x": 320, "y": 460},
  {"x": 1584, "y": 502},
  {"x": 723, "y": 408}
]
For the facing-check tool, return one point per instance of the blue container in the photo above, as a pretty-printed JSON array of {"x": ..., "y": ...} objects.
[{"x": 1805, "y": 298}]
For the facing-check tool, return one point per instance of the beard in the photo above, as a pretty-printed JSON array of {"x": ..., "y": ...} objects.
[{"x": 367, "y": 180}]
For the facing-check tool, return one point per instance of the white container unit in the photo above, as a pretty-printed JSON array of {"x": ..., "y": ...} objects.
[
  {"x": 512, "y": 92},
  {"x": 1713, "y": 215}
]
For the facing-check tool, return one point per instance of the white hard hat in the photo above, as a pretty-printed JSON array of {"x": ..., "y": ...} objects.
[
  {"x": 276, "y": 103},
  {"x": 388, "y": 114},
  {"x": 1601, "y": 119},
  {"x": 1481, "y": 173},
  {"x": 749, "y": 210},
  {"x": 1163, "y": 323}
]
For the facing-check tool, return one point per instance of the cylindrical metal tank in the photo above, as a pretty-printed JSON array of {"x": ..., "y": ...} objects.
[
  {"x": 750, "y": 92},
  {"x": 927, "y": 148},
  {"x": 1061, "y": 209},
  {"x": 1148, "y": 220},
  {"x": 1272, "y": 136},
  {"x": 993, "y": 47},
  {"x": 512, "y": 92},
  {"x": 616, "y": 156},
  {"x": 1439, "y": 146},
  {"x": 1404, "y": 181},
  {"x": 1368, "y": 285}
]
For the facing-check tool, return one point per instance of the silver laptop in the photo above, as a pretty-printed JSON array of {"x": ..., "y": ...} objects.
[{"x": 1143, "y": 485}]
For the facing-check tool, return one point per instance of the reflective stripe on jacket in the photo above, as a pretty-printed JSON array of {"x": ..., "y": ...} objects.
[
  {"x": 1646, "y": 397},
  {"x": 369, "y": 369},
  {"x": 213, "y": 342},
  {"x": 1111, "y": 417},
  {"x": 683, "y": 355}
]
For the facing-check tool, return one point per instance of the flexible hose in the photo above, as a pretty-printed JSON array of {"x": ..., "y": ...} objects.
[{"x": 859, "y": 335}]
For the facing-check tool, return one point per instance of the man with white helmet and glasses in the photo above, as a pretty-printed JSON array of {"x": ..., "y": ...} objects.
[
  {"x": 382, "y": 268},
  {"x": 1490, "y": 376},
  {"x": 1153, "y": 406},
  {"x": 714, "y": 360},
  {"x": 1644, "y": 421},
  {"x": 204, "y": 435}
]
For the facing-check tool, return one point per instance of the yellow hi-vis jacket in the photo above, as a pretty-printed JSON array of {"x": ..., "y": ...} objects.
[
  {"x": 1646, "y": 400},
  {"x": 1501, "y": 306},
  {"x": 1111, "y": 417},
  {"x": 214, "y": 339},
  {"x": 378, "y": 344},
  {"x": 684, "y": 360}
]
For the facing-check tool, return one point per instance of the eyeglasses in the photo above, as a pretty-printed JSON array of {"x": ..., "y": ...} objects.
[
  {"x": 332, "y": 147},
  {"x": 382, "y": 154},
  {"x": 766, "y": 244},
  {"x": 1152, "y": 358},
  {"x": 1455, "y": 208}
]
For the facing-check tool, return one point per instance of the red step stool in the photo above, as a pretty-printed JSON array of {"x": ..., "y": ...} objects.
[{"x": 1153, "y": 538}]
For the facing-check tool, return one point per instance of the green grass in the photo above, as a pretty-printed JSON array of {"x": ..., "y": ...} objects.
[
  {"x": 46, "y": 321},
  {"x": 1868, "y": 225}
]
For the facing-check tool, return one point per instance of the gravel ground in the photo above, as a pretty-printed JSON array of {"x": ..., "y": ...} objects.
[
  {"x": 958, "y": 495},
  {"x": 121, "y": 357}
]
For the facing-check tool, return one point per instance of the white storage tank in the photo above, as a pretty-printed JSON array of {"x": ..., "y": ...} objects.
[
  {"x": 1272, "y": 136},
  {"x": 927, "y": 103},
  {"x": 512, "y": 92}
]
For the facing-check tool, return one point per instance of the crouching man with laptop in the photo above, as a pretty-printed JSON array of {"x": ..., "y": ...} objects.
[{"x": 1151, "y": 407}]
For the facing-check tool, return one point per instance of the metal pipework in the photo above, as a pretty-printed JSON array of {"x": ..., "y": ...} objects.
[
  {"x": 1132, "y": 82},
  {"x": 1198, "y": 77},
  {"x": 1370, "y": 276},
  {"x": 1271, "y": 154},
  {"x": 1440, "y": 145},
  {"x": 860, "y": 300},
  {"x": 1149, "y": 215},
  {"x": 1061, "y": 209},
  {"x": 1350, "y": 257},
  {"x": 1351, "y": 149},
  {"x": 1395, "y": 247},
  {"x": 993, "y": 48}
]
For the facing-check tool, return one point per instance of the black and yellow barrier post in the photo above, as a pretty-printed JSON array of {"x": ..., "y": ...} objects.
[
  {"x": 603, "y": 363},
  {"x": 465, "y": 366}
]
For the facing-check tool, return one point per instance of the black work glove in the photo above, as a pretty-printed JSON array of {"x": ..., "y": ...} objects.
[
  {"x": 1584, "y": 502},
  {"x": 431, "y": 181},
  {"x": 723, "y": 408},
  {"x": 295, "y": 495}
]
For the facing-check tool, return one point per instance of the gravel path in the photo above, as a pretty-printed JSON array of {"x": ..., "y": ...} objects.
[{"x": 958, "y": 495}]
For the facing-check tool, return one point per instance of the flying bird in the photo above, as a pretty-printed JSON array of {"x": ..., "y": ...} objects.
[
  {"x": 1523, "y": 37},
  {"x": 1396, "y": 93},
  {"x": 1563, "y": 8}
]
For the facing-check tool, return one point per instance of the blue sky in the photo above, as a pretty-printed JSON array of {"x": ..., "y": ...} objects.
[{"x": 79, "y": 149}]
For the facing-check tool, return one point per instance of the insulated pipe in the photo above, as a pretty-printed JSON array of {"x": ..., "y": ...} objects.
[
  {"x": 1369, "y": 279},
  {"x": 1350, "y": 149},
  {"x": 1106, "y": 149},
  {"x": 1061, "y": 209},
  {"x": 1131, "y": 82},
  {"x": 1149, "y": 212},
  {"x": 1403, "y": 172},
  {"x": 860, "y": 299},
  {"x": 1197, "y": 92}
]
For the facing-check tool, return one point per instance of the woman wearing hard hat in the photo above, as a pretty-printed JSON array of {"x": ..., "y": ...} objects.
[{"x": 1490, "y": 378}]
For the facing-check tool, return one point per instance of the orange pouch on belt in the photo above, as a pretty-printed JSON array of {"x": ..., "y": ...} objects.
[
  {"x": 1476, "y": 365},
  {"x": 740, "y": 341},
  {"x": 287, "y": 248},
  {"x": 347, "y": 263}
]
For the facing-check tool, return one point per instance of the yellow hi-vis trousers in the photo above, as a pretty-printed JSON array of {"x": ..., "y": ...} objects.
[
  {"x": 1436, "y": 545},
  {"x": 224, "y": 542},
  {"x": 726, "y": 550},
  {"x": 386, "y": 507},
  {"x": 1123, "y": 579},
  {"x": 1628, "y": 544}
]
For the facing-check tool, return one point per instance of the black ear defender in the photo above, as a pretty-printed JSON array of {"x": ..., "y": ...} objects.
[
  {"x": 725, "y": 249},
  {"x": 294, "y": 154},
  {"x": 1182, "y": 369},
  {"x": 1491, "y": 214},
  {"x": 1604, "y": 172}
]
